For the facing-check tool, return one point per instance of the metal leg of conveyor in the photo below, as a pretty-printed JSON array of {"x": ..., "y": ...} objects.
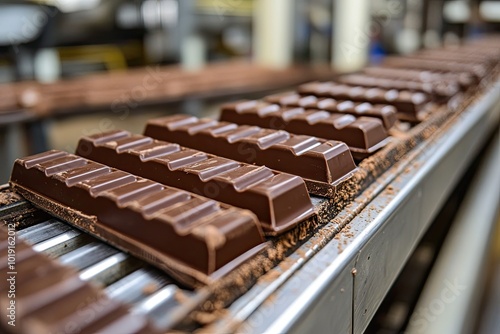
[
  {"x": 37, "y": 133},
  {"x": 449, "y": 300},
  {"x": 11, "y": 147}
]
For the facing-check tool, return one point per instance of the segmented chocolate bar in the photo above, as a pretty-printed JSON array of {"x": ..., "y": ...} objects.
[
  {"x": 315, "y": 160},
  {"x": 363, "y": 135},
  {"x": 441, "y": 91},
  {"x": 463, "y": 79},
  {"x": 411, "y": 106},
  {"x": 461, "y": 55},
  {"x": 51, "y": 298},
  {"x": 478, "y": 70},
  {"x": 180, "y": 232},
  {"x": 279, "y": 200},
  {"x": 384, "y": 112}
]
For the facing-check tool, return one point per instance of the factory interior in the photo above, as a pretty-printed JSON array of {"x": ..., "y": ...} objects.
[{"x": 250, "y": 166}]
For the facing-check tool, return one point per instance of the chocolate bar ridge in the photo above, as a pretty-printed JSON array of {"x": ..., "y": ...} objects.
[
  {"x": 363, "y": 135},
  {"x": 177, "y": 231},
  {"x": 279, "y": 200},
  {"x": 315, "y": 160}
]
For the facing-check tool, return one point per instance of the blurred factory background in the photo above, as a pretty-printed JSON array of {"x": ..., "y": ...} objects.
[
  {"x": 215, "y": 48},
  {"x": 47, "y": 40},
  {"x": 76, "y": 67}
]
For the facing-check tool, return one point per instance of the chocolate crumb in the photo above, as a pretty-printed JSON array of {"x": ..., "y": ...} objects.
[{"x": 150, "y": 288}]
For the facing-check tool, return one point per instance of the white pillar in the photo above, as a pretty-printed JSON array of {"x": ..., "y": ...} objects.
[
  {"x": 273, "y": 32},
  {"x": 351, "y": 34},
  {"x": 47, "y": 65},
  {"x": 193, "y": 52}
]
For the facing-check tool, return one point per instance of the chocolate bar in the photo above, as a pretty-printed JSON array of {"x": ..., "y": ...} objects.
[
  {"x": 411, "y": 106},
  {"x": 478, "y": 70},
  {"x": 321, "y": 163},
  {"x": 463, "y": 79},
  {"x": 279, "y": 200},
  {"x": 384, "y": 112},
  {"x": 363, "y": 135},
  {"x": 45, "y": 297},
  {"x": 441, "y": 91},
  {"x": 464, "y": 57},
  {"x": 189, "y": 236},
  {"x": 460, "y": 55}
]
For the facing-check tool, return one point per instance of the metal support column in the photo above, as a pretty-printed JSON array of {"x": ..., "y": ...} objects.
[
  {"x": 273, "y": 33},
  {"x": 351, "y": 34}
]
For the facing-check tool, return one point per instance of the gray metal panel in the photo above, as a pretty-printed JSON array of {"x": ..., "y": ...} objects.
[
  {"x": 310, "y": 301},
  {"x": 379, "y": 262},
  {"x": 420, "y": 194},
  {"x": 451, "y": 298}
]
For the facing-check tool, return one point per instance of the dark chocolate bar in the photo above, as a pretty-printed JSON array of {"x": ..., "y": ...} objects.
[
  {"x": 317, "y": 161},
  {"x": 279, "y": 200},
  {"x": 363, "y": 135},
  {"x": 187, "y": 235},
  {"x": 411, "y": 106},
  {"x": 478, "y": 70},
  {"x": 463, "y": 79},
  {"x": 51, "y": 298},
  {"x": 460, "y": 55},
  {"x": 441, "y": 91},
  {"x": 384, "y": 112}
]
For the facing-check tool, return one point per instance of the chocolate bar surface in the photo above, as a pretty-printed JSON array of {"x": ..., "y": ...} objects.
[
  {"x": 279, "y": 200},
  {"x": 363, "y": 135},
  {"x": 384, "y": 112},
  {"x": 411, "y": 106},
  {"x": 185, "y": 234},
  {"x": 315, "y": 160},
  {"x": 51, "y": 298}
]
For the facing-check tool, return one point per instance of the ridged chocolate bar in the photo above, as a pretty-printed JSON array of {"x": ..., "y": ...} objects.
[
  {"x": 51, "y": 298},
  {"x": 490, "y": 60},
  {"x": 478, "y": 70},
  {"x": 279, "y": 200},
  {"x": 384, "y": 112},
  {"x": 463, "y": 79},
  {"x": 185, "y": 234},
  {"x": 411, "y": 106},
  {"x": 363, "y": 135},
  {"x": 441, "y": 91},
  {"x": 321, "y": 163}
]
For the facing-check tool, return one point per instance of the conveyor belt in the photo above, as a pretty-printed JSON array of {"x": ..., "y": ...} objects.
[
  {"x": 324, "y": 284},
  {"x": 125, "y": 278}
]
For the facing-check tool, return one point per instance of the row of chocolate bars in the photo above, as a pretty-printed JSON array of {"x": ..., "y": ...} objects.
[{"x": 195, "y": 197}]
